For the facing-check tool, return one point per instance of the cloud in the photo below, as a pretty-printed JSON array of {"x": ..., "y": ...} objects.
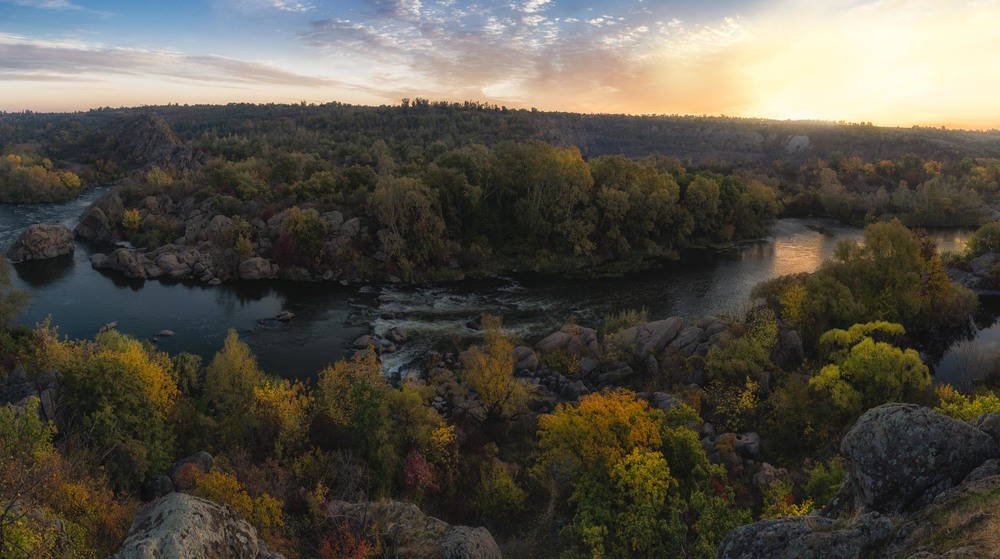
[
  {"x": 46, "y": 4},
  {"x": 522, "y": 53},
  {"x": 23, "y": 58}
]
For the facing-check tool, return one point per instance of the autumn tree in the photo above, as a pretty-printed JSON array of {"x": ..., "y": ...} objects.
[
  {"x": 866, "y": 373},
  {"x": 12, "y": 301},
  {"x": 230, "y": 380},
  {"x": 353, "y": 409},
  {"x": 490, "y": 372},
  {"x": 639, "y": 478},
  {"x": 410, "y": 225},
  {"x": 120, "y": 394}
]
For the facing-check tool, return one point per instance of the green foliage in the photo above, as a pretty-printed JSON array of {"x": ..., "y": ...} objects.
[
  {"x": 122, "y": 392},
  {"x": 866, "y": 373},
  {"x": 893, "y": 276},
  {"x": 408, "y": 213},
  {"x": 230, "y": 380},
  {"x": 27, "y": 179},
  {"x": 985, "y": 239},
  {"x": 825, "y": 480},
  {"x": 639, "y": 477},
  {"x": 352, "y": 401},
  {"x": 735, "y": 359},
  {"x": 612, "y": 324}
]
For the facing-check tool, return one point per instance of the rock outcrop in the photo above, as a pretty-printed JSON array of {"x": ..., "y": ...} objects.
[
  {"x": 918, "y": 486},
  {"x": 41, "y": 241},
  {"x": 146, "y": 141},
  {"x": 182, "y": 526},
  {"x": 407, "y": 532},
  {"x": 101, "y": 219},
  {"x": 806, "y": 536},
  {"x": 900, "y": 455}
]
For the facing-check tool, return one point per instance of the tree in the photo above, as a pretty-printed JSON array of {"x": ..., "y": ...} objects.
[
  {"x": 352, "y": 404},
  {"x": 702, "y": 200},
  {"x": 985, "y": 239},
  {"x": 641, "y": 482},
  {"x": 230, "y": 381},
  {"x": 866, "y": 373},
  {"x": 490, "y": 373},
  {"x": 12, "y": 301},
  {"x": 411, "y": 226},
  {"x": 121, "y": 393}
]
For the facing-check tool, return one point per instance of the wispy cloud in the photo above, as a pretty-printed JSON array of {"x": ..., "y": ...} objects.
[
  {"x": 23, "y": 58},
  {"x": 45, "y": 4}
]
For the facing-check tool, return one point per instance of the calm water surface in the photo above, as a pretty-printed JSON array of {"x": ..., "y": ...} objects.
[{"x": 330, "y": 317}]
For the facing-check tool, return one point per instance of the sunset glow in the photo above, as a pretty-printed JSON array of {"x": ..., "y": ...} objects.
[{"x": 926, "y": 62}]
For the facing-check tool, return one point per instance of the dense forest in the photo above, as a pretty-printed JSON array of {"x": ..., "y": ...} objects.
[{"x": 636, "y": 437}]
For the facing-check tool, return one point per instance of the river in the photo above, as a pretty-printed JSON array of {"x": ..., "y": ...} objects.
[{"x": 329, "y": 317}]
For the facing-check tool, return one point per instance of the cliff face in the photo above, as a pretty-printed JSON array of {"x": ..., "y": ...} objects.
[
  {"x": 919, "y": 485},
  {"x": 145, "y": 141}
]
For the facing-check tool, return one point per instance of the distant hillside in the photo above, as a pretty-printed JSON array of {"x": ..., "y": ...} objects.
[{"x": 417, "y": 130}]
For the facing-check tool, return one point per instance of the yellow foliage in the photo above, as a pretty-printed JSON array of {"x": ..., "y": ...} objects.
[
  {"x": 600, "y": 431},
  {"x": 153, "y": 368},
  {"x": 283, "y": 407},
  {"x": 491, "y": 374},
  {"x": 131, "y": 220},
  {"x": 336, "y": 381},
  {"x": 779, "y": 501},
  {"x": 965, "y": 408}
]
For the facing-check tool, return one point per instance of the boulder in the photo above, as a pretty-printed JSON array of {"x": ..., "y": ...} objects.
[
  {"x": 576, "y": 341},
  {"x": 99, "y": 220},
  {"x": 350, "y": 228},
  {"x": 171, "y": 265},
  {"x": 156, "y": 487},
  {"x": 959, "y": 524},
  {"x": 747, "y": 445},
  {"x": 789, "y": 351},
  {"x": 651, "y": 337},
  {"x": 900, "y": 456},
  {"x": 665, "y": 401},
  {"x": 983, "y": 265},
  {"x": 687, "y": 341},
  {"x": 462, "y": 542},
  {"x": 806, "y": 536},
  {"x": 95, "y": 226},
  {"x": 402, "y": 527},
  {"x": 42, "y": 241},
  {"x": 182, "y": 526},
  {"x": 524, "y": 359},
  {"x": 257, "y": 268},
  {"x": 123, "y": 260},
  {"x": 220, "y": 230},
  {"x": 201, "y": 460}
]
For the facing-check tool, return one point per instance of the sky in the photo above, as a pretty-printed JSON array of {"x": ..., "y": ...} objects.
[{"x": 890, "y": 62}]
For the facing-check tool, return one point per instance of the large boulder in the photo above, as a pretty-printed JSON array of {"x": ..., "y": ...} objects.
[
  {"x": 99, "y": 220},
  {"x": 575, "y": 340},
  {"x": 41, "y": 241},
  {"x": 806, "y": 536},
  {"x": 257, "y": 268},
  {"x": 409, "y": 533},
  {"x": 182, "y": 526},
  {"x": 650, "y": 338},
  {"x": 900, "y": 456}
]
